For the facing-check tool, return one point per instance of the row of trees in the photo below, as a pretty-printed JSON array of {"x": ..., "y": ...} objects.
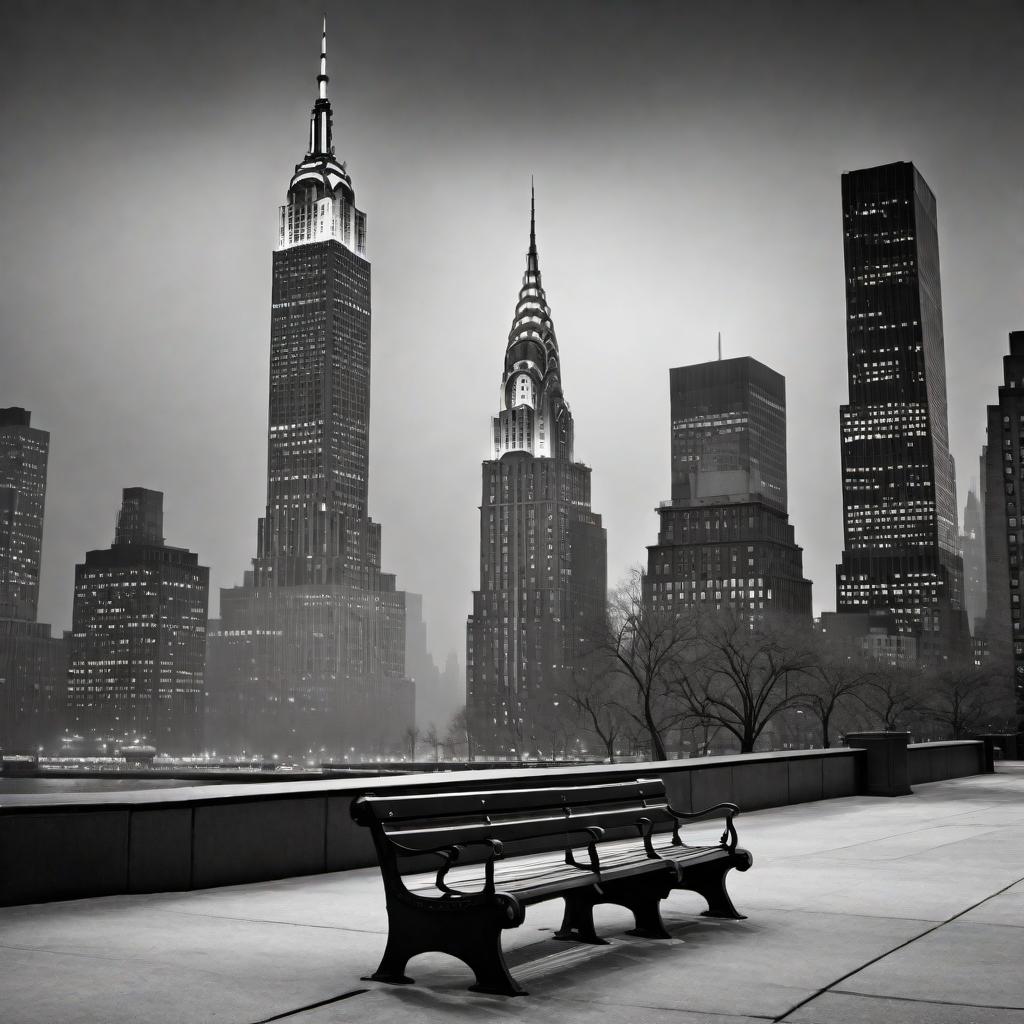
[
  {"x": 655, "y": 680},
  {"x": 652, "y": 681}
]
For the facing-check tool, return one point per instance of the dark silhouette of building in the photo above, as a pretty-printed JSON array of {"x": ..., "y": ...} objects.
[
  {"x": 33, "y": 663},
  {"x": 972, "y": 551},
  {"x": 308, "y": 656},
  {"x": 543, "y": 561},
  {"x": 24, "y": 452},
  {"x": 138, "y": 636},
  {"x": 1003, "y": 475},
  {"x": 901, "y": 556},
  {"x": 725, "y": 540}
]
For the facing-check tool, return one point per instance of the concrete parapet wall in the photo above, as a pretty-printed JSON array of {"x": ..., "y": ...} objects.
[
  {"x": 931, "y": 762},
  {"x": 65, "y": 846}
]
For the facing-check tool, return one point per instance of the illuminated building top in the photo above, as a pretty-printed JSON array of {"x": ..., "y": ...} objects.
[
  {"x": 321, "y": 200},
  {"x": 534, "y": 417}
]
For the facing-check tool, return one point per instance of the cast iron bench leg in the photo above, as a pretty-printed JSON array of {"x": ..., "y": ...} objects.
[
  {"x": 472, "y": 937},
  {"x": 708, "y": 880},
  {"x": 578, "y": 919},
  {"x": 643, "y": 897}
]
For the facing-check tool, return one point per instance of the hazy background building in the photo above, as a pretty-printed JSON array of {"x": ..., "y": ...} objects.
[
  {"x": 138, "y": 644},
  {"x": 1004, "y": 530},
  {"x": 972, "y": 551},
  {"x": 33, "y": 663},
  {"x": 543, "y": 555},
  {"x": 725, "y": 540},
  {"x": 310, "y": 657},
  {"x": 901, "y": 563}
]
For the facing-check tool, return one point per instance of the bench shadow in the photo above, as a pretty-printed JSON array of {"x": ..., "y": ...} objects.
[{"x": 552, "y": 968}]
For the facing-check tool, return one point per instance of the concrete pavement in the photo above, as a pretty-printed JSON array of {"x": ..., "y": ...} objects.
[{"x": 860, "y": 910}]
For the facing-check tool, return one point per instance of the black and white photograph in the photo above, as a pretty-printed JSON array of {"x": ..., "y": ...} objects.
[{"x": 511, "y": 510}]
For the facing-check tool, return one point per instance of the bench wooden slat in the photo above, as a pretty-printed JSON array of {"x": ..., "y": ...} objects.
[{"x": 450, "y": 804}]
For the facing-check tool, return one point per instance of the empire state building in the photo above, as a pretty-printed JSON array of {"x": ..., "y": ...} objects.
[
  {"x": 543, "y": 551},
  {"x": 308, "y": 656}
]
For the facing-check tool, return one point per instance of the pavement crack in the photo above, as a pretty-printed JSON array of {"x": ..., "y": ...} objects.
[
  {"x": 312, "y": 1006},
  {"x": 930, "y": 1002},
  {"x": 895, "y": 949}
]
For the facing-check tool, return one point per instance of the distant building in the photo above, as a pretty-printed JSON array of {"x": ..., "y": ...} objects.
[
  {"x": 24, "y": 451},
  {"x": 725, "y": 540},
  {"x": 434, "y": 704},
  {"x": 1004, "y": 529},
  {"x": 33, "y": 664},
  {"x": 308, "y": 656},
  {"x": 901, "y": 555},
  {"x": 33, "y": 682},
  {"x": 543, "y": 561},
  {"x": 138, "y": 640},
  {"x": 972, "y": 550}
]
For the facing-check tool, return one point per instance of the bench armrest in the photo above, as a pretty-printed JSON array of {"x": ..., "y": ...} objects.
[
  {"x": 451, "y": 856},
  {"x": 646, "y": 827},
  {"x": 595, "y": 832},
  {"x": 729, "y": 838}
]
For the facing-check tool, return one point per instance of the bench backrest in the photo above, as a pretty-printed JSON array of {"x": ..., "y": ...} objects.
[{"x": 513, "y": 816}]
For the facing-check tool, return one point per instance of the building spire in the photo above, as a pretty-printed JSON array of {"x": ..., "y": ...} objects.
[
  {"x": 320, "y": 143},
  {"x": 532, "y": 263},
  {"x": 322, "y": 77}
]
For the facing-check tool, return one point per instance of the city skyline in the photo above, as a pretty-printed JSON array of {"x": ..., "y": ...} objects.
[{"x": 720, "y": 231}]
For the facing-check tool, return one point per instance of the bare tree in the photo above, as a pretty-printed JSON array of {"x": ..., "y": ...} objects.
[
  {"x": 432, "y": 739},
  {"x": 595, "y": 692},
  {"x": 411, "y": 736},
  {"x": 962, "y": 699},
  {"x": 458, "y": 736},
  {"x": 650, "y": 650},
  {"x": 893, "y": 695},
  {"x": 837, "y": 675},
  {"x": 749, "y": 672}
]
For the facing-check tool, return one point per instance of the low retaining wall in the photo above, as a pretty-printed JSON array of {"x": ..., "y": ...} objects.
[
  {"x": 65, "y": 846},
  {"x": 932, "y": 762}
]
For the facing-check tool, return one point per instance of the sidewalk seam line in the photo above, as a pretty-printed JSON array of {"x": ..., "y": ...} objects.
[{"x": 895, "y": 949}]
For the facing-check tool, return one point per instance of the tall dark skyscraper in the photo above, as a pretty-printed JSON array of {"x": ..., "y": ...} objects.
[
  {"x": 725, "y": 540},
  {"x": 1003, "y": 474},
  {"x": 33, "y": 664},
  {"x": 138, "y": 636},
  {"x": 309, "y": 654},
  {"x": 901, "y": 560},
  {"x": 543, "y": 552},
  {"x": 24, "y": 451}
]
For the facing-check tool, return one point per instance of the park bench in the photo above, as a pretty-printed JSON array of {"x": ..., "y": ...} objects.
[{"x": 615, "y": 842}]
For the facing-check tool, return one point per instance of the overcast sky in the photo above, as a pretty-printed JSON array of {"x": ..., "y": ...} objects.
[{"x": 687, "y": 159}]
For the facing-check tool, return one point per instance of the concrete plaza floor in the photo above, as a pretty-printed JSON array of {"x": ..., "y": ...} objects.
[{"x": 860, "y": 910}]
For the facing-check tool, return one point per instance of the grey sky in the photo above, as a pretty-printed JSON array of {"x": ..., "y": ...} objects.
[{"x": 687, "y": 160}]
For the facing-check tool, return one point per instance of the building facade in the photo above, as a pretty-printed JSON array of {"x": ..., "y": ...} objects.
[
  {"x": 308, "y": 656},
  {"x": 24, "y": 453},
  {"x": 972, "y": 551},
  {"x": 725, "y": 540},
  {"x": 543, "y": 551},
  {"x": 138, "y": 637},
  {"x": 901, "y": 555},
  {"x": 1003, "y": 473},
  {"x": 33, "y": 663}
]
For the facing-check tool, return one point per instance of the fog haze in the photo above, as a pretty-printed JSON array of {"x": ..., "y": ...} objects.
[{"x": 687, "y": 161}]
